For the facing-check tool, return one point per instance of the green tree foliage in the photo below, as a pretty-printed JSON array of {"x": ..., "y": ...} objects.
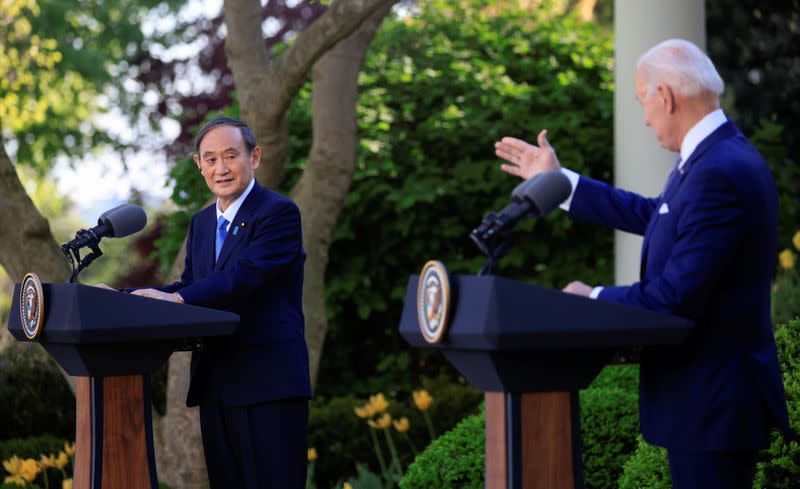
[
  {"x": 64, "y": 61},
  {"x": 756, "y": 48},
  {"x": 437, "y": 90}
]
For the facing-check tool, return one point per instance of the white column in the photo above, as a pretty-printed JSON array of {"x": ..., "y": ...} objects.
[{"x": 640, "y": 164}]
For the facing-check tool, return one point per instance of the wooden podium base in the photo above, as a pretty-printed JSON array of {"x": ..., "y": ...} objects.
[
  {"x": 114, "y": 434},
  {"x": 533, "y": 441}
]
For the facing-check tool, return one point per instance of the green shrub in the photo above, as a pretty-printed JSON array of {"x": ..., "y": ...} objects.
[
  {"x": 31, "y": 447},
  {"x": 786, "y": 297},
  {"x": 618, "y": 377},
  {"x": 343, "y": 440},
  {"x": 609, "y": 424},
  {"x": 453, "y": 461},
  {"x": 647, "y": 468},
  {"x": 779, "y": 467},
  {"x": 25, "y": 373}
]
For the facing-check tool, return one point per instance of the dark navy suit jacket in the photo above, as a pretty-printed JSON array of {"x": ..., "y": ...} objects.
[
  {"x": 259, "y": 276},
  {"x": 708, "y": 255}
]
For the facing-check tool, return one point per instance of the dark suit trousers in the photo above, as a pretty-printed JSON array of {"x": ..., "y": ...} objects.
[
  {"x": 255, "y": 447},
  {"x": 712, "y": 470}
]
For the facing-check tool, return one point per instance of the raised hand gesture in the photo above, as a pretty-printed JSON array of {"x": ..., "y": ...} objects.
[{"x": 527, "y": 159}]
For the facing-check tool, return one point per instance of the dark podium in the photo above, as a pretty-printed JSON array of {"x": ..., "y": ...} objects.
[
  {"x": 111, "y": 341},
  {"x": 530, "y": 349}
]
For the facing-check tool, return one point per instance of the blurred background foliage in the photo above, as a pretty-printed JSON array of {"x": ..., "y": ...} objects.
[
  {"x": 440, "y": 84},
  {"x": 437, "y": 89},
  {"x": 63, "y": 63}
]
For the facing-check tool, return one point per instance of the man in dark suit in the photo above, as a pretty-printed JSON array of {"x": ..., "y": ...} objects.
[
  {"x": 244, "y": 254},
  {"x": 708, "y": 255}
]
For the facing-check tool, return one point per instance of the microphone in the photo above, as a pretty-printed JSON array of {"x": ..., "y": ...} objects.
[
  {"x": 537, "y": 197},
  {"x": 118, "y": 222}
]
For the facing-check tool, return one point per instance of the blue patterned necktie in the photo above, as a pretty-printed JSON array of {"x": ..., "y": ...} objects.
[
  {"x": 222, "y": 231},
  {"x": 671, "y": 176}
]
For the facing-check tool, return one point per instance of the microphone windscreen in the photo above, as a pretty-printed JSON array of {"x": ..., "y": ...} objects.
[
  {"x": 520, "y": 192},
  {"x": 547, "y": 190},
  {"x": 123, "y": 220}
]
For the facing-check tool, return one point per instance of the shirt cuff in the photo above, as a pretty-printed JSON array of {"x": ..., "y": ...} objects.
[
  {"x": 573, "y": 181},
  {"x": 595, "y": 293}
]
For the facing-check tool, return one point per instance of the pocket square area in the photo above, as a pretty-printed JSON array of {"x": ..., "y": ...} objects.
[{"x": 664, "y": 209}]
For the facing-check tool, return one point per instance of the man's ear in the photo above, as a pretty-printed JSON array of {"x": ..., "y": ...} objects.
[
  {"x": 196, "y": 159},
  {"x": 666, "y": 97},
  {"x": 255, "y": 157}
]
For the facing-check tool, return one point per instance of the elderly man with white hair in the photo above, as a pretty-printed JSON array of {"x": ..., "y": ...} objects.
[{"x": 708, "y": 255}]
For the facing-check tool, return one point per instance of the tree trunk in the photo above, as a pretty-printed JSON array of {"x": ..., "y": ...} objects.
[
  {"x": 266, "y": 87},
  {"x": 26, "y": 243},
  {"x": 179, "y": 446},
  {"x": 322, "y": 189}
]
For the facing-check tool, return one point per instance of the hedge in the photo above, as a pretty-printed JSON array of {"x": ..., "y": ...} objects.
[
  {"x": 779, "y": 467},
  {"x": 609, "y": 424}
]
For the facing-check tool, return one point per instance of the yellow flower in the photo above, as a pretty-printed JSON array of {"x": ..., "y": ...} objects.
[
  {"x": 69, "y": 448},
  {"x": 786, "y": 258},
  {"x": 13, "y": 465},
  {"x": 62, "y": 460},
  {"x": 381, "y": 423},
  {"x": 312, "y": 454},
  {"x": 379, "y": 402},
  {"x": 401, "y": 424},
  {"x": 66, "y": 484},
  {"x": 366, "y": 411},
  {"x": 29, "y": 470},
  {"x": 422, "y": 399},
  {"x": 796, "y": 240},
  {"x": 347, "y": 485},
  {"x": 47, "y": 461},
  {"x": 15, "y": 479}
]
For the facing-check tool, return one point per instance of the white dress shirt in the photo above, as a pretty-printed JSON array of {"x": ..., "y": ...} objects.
[{"x": 230, "y": 212}]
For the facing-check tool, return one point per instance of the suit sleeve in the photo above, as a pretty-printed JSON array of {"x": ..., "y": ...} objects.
[
  {"x": 599, "y": 203},
  {"x": 708, "y": 232},
  {"x": 275, "y": 244}
]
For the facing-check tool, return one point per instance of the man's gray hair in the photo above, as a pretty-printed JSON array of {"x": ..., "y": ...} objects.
[{"x": 682, "y": 66}]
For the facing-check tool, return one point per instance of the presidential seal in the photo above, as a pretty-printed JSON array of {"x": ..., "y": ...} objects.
[
  {"x": 31, "y": 305},
  {"x": 433, "y": 301}
]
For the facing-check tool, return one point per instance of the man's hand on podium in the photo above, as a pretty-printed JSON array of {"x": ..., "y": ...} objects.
[
  {"x": 157, "y": 294},
  {"x": 578, "y": 288},
  {"x": 104, "y": 286}
]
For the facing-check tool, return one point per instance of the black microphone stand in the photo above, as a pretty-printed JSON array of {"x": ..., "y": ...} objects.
[
  {"x": 494, "y": 239},
  {"x": 72, "y": 251}
]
